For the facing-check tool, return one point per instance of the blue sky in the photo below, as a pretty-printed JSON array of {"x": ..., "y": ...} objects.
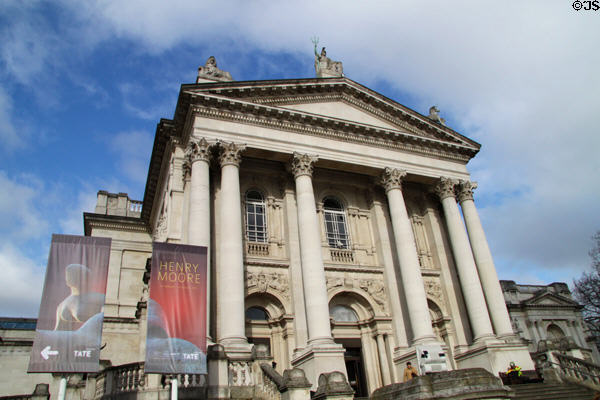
[{"x": 83, "y": 84}]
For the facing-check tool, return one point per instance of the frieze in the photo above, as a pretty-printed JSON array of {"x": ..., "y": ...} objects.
[
  {"x": 376, "y": 290},
  {"x": 265, "y": 281},
  {"x": 240, "y": 373},
  {"x": 434, "y": 291}
]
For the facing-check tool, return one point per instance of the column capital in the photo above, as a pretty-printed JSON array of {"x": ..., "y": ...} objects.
[
  {"x": 231, "y": 153},
  {"x": 197, "y": 150},
  {"x": 465, "y": 190},
  {"x": 391, "y": 178},
  {"x": 445, "y": 187},
  {"x": 302, "y": 164}
]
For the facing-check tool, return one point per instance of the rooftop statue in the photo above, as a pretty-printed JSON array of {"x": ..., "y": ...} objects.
[
  {"x": 324, "y": 67},
  {"x": 210, "y": 72},
  {"x": 434, "y": 115}
]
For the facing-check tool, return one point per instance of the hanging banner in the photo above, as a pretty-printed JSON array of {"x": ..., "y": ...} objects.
[
  {"x": 69, "y": 326},
  {"x": 176, "y": 335}
]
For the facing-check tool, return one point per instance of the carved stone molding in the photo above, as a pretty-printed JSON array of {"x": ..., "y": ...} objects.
[
  {"x": 268, "y": 281},
  {"x": 465, "y": 190},
  {"x": 392, "y": 178},
  {"x": 376, "y": 290},
  {"x": 198, "y": 150},
  {"x": 445, "y": 188},
  {"x": 434, "y": 291},
  {"x": 231, "y": 153},
  {"x": 302, "y": 164}
]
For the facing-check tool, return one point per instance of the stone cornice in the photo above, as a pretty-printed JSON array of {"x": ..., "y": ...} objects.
[
  {"x": 113, "y": 222},
  {"x": 221, "y": 108},
  {"x": 294, "y": 91}
]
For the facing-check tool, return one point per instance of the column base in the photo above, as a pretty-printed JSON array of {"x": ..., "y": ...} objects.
[
  {"x": 494, "y": 356},
  {"x": 319, "y": 356},
  {"x": 237, "y": 348}
]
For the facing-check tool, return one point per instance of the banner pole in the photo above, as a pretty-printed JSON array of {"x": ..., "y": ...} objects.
[
  {"x": 174, "y": 384},
  {"x": 62, "y": 388}
]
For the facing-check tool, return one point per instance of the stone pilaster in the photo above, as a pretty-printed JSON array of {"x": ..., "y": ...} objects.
[
  {"x": 484, "y": 261},
  {"x": 465, "y": 264},
  {"x": 412, "y": 281}
]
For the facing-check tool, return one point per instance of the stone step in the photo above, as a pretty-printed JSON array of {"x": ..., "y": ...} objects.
[{"x": 546, "y": 391}]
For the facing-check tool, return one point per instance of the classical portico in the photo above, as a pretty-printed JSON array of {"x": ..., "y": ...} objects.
[{"x": 333, "y": 216}]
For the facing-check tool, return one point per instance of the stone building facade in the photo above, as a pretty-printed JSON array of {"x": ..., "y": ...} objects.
[{"x": 332, "y": 215}]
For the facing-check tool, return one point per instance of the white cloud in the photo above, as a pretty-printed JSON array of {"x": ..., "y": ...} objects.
[
  {"x": 21, "y": 283},
  {"x": 520, "y": 78},
  {"x": 72, "y": 221}
]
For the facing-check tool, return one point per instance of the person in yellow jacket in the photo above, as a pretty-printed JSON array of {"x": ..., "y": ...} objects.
[
  {"x": 514, "y": 372},
  {"x": 409, "y": 372}
]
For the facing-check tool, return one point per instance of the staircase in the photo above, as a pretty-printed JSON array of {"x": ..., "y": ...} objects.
[{"x": 547, "y": 391}]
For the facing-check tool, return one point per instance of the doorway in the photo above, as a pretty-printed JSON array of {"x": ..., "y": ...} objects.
[{"x": 356, "y": 371}]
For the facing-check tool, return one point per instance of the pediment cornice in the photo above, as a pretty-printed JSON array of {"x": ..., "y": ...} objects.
[
  {"x": 548, "y": 299},
  {"x": 296, "y": 91},
  {"x": 245, "y": 112}
]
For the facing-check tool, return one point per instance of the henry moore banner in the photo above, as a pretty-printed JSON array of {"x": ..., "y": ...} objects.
[
  {"x": 69, "y": 326},
  {"x": 176, "y": 339}
]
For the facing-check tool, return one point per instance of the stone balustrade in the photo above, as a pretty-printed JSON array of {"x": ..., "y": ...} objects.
[{"x": 578, "y": 370}]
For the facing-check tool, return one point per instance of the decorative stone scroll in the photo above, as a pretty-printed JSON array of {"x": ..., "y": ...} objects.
[
  {"x": 263, "y": 281},
  {"x": 212, "y": 73},
  {"x": 445, "y": 188},
  {"x": 231, "y": 153},
  {"x": 465, "y": 190},
  {"x": 302, "y": 164}
]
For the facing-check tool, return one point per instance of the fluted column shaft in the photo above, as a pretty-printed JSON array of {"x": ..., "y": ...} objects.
[
  {"x": 465, "y": 264},
  {"x": 484, "y": 261},
  {"x": 231, "y": 269},
  {"x": 313, "y": 271},
  {"x": 412, "y": 281}
]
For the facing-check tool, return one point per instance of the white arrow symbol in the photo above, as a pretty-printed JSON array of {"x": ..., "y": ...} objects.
[{"x": 47, "y": 352}]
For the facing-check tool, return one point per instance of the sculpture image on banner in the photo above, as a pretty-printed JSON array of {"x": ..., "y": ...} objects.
[
  {"x": 69, "y": 326},
  {"x": 176, "y": 336}
]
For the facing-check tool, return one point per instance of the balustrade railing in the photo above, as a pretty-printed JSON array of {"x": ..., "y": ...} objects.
[
  {"x": 342, "y": 256},
  {"x": 122, "y": 380},
  {"x": 579, "y": 370},
  {"x": 257, "y": 249}
]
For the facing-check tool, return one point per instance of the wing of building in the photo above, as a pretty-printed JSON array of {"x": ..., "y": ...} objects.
[{"x": 341, "y": 228}]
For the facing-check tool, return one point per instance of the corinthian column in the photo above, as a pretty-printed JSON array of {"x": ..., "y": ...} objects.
[
  {"x": 484, "y": 261},
  {"x": 231, "y": 259},
  {"x": 198, "y": 158},
  {"x": 199, "y": 207},
  {"x": 465, "y": 264},
  {"x": 313, "y": 272},
  {"x": 412, "y": 281}
]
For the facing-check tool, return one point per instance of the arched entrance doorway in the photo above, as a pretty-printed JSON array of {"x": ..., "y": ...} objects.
[{"x": 363, "y": 335}]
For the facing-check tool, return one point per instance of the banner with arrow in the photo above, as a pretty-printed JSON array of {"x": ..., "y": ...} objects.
[{"x": 69, "y": 327}]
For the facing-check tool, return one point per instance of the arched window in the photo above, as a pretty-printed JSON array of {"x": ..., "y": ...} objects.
[
  {"x": 341, "y": 313},
  {"x": 256, "y": 220},
  {"x": 257, "y": 314},
  {"x": 335, "y": 224}
]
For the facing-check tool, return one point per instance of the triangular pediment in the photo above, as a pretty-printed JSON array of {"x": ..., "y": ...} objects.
[
  {"x": 337, "y": 102},
  {"x": 549, "y": 299},
  {"x": 343, "y": 111}
]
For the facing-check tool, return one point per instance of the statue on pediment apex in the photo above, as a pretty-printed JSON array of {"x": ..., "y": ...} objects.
[
  {"x": 324, "y": 66},
  {"x": 210, "y": 72},
  {"x": 434, "y": 115}
]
